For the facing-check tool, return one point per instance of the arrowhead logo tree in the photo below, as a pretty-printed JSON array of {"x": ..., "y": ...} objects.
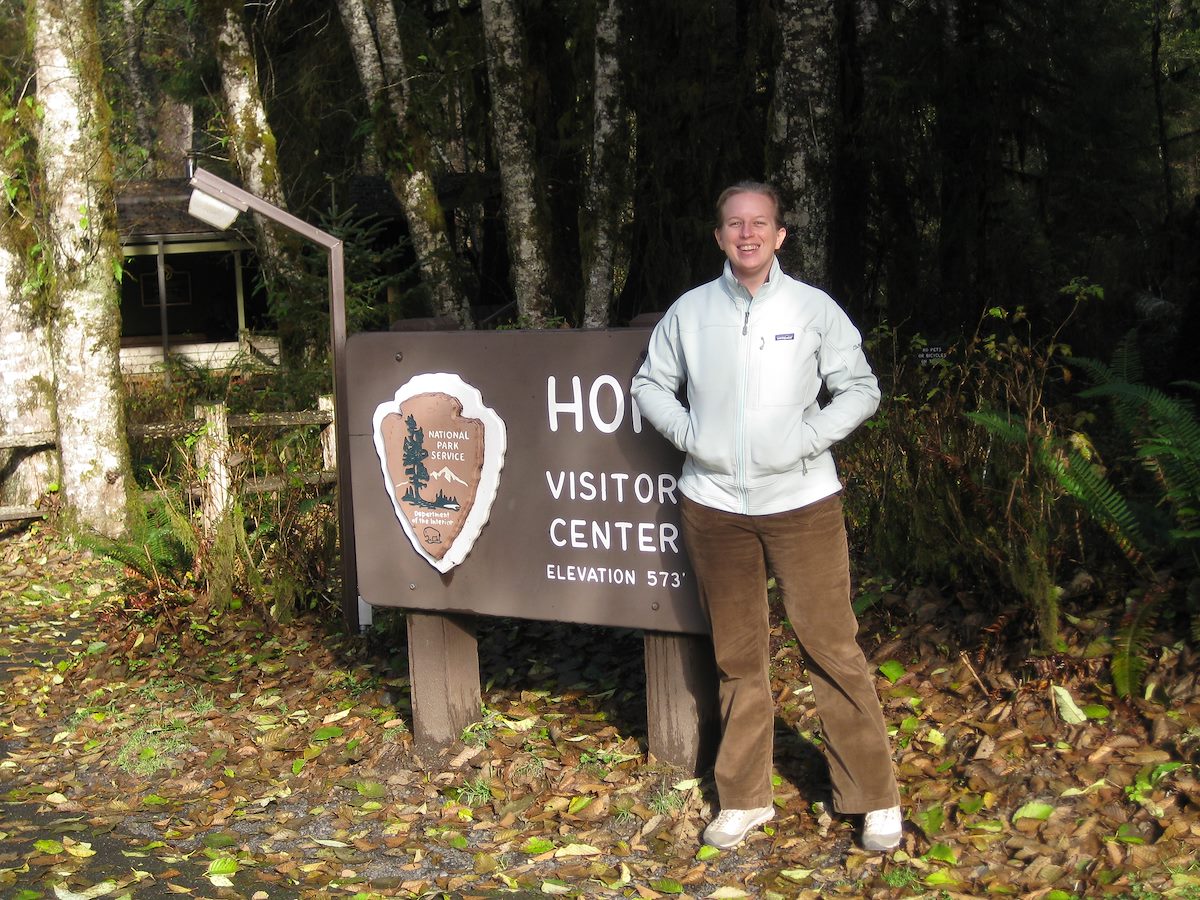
[{"x": 441, "y": 451}]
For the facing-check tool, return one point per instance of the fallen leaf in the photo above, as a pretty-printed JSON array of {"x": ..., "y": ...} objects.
[
  {"x": 62, "y": 892},
  {"x": 537, "y": 845},
  {"x": 576, "y": 850},
  {"x": 1065, "y": 704},
  {"x": 1034, "y": 810}
]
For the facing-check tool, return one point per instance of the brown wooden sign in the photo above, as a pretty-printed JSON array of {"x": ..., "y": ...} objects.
[{"x": 510, "y": 474}]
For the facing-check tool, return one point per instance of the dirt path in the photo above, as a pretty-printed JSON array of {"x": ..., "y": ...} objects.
[{"x": 177, "y": 754}]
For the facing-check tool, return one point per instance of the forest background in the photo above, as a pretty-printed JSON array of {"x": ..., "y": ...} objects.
[{"x": 1003, "y": 194}]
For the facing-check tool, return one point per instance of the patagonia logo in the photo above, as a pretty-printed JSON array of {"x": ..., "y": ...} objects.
[{"x": 785, "y": 337}]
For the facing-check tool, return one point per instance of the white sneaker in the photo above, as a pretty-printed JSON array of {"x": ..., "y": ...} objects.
[
  {"x": 881, "y": 829},
  {"x": 731, "y": 826}
]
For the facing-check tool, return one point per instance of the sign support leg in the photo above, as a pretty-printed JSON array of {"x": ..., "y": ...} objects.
[
  {"x": 443, "y": 670},
  {"x": 681, "y": 700}
]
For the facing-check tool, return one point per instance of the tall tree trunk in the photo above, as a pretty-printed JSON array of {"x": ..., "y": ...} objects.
[
  {"x": 965, "y": 133},
  {"x": 374, "y": 36},
  {"x": 858, "y": 168},
  {"x": 525, "y": 217},
  {"x": 246, "y": 120},
  {"x": 162, "y": 124},
  {"x": 1160, "y": 121},
  {"x": 253, "y": 145},
  {"x": 81, "y": 215},
  {"x": 607, "y": 188},
  {"x": 802, "y": 131},
  {"x": 26, "y": 372},
  {"x": 136, "y": 76}
]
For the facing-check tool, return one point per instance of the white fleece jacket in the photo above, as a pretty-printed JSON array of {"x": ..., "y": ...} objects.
[{"x": 756, "y": 437}]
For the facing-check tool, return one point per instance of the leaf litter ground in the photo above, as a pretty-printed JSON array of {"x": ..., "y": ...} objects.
[{"x": 177, "y": 754}]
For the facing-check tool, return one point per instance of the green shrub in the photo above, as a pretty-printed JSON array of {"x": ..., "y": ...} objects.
[{"x": 944, "y": 495}]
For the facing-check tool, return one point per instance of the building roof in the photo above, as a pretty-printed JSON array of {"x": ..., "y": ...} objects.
[
  {"x": 150, "y": 209},
  {"x": 154, "y": 208}
]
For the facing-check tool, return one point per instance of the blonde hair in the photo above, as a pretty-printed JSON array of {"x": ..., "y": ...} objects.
[{"x": 751, "y": 187}]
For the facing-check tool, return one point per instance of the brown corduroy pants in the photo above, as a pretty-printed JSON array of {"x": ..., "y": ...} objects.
[{"x": 806, "y": 550}]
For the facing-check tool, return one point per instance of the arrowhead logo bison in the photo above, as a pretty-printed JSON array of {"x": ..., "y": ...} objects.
[{"x": 441, "y": 451}]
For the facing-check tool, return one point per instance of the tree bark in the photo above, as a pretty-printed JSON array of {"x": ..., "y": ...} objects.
[
  {"x": 253, "y": 144},
  {"x": 136, "y": 76},
  {"x": 163, "y": 125},
  {"x": 525, "y": 217},
  {"x": 1160, "y": 120},
  {"x": 246, "y": 123},
  {"x": 81, "y": 215},
  {"x": 802, "y": 130},
  {"x": 374, "y": 36},
  {"x": 607, "y": 189}
]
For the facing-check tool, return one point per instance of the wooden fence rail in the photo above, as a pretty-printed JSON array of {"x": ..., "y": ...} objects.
[
  {"x": 29, "y": 441},
  {"x": 212, "y": 425}
]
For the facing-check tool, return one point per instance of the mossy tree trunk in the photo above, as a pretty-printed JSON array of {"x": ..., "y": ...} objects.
[
  {"x": 137, "y": 78},
  {"x": 525, "y": 215},
  {"x": 375, "y": 42},
  {"x": 85, "y": 329},
  {"x": 161, "y": 124},
  {"x": 802, "y": 117},
  {"x": 608, "y": 183},
  {"x": 253, "y": 144}
]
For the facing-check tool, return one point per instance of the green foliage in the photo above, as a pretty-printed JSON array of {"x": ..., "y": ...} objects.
[
  {"x": 168, "y": 553},
  {"x": 1154, "y": 518},
  {"x": 1166, "y": 435},
  {"x": 160, "y": 551},
  {"x": 1086, "y": 482},
  {"x": 1128, "y": 664},
  {"x": 373, "y": 272},
  {"x": 948, "y": 485},
  {"x": 22, "y": 230},
  {"x": 278, "y": 551},
  {"x": 277, "y": 548},
  {"x": 149, "y": 748}
]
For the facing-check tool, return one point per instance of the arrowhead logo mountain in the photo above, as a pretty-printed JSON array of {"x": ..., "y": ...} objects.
[{"x": 441, "y": 451}]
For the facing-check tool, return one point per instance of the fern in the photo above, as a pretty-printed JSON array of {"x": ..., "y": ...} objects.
[
  {"x": 1000, "y": 425},
  {"x": 1099, "y": 498},
  {"x": 1128, "y": 664},
  {"x": 1079, "y": 477},
  {"x": 1127, "y": 361},
  {"x": 1028, "y": 555},
  {"x": 1168, "y": 442},
  {"x": 161, "y": 547}
]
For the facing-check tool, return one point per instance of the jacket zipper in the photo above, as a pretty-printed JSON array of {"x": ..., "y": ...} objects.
[{"x": 740, "y": 424}]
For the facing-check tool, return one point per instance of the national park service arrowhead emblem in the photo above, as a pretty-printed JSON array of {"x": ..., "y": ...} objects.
[{"x": 441, "y": 451}]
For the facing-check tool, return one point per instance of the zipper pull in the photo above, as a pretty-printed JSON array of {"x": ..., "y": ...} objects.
[{"x": 746, "y": 322}]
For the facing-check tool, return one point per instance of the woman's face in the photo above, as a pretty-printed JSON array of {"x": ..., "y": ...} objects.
[{"x": 749, "y": 234}]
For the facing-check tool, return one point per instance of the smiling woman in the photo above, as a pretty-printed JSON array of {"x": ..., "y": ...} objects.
[
  {"x": 761, "y": 498},
  {"x": 750, "y": 231}
]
